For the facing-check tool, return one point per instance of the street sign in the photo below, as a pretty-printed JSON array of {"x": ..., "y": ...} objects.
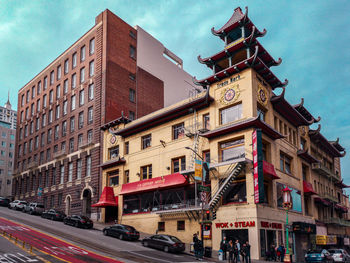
[
  {"x": 203, "y": 196},
  {"x": 203, "y": 188},
  {"x": 198, "y": 173}
]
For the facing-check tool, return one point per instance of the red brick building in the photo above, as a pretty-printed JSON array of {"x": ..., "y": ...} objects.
[{"x": 61, "y": 110}]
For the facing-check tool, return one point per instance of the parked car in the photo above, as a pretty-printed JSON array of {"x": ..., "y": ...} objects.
[
  {"x": 340, "y": 255},
  {"x": 4, "y": 201},
  {"x": 17, "y": 204},
  {"x": 165, "y": 242},
  {"x": 122, "y": 232},
  {"x": 53, "y": 214},
  {"x": 78, "y": 221},
  {"x": 318, "y": 255},
  {"x": 34, "y": 209}
]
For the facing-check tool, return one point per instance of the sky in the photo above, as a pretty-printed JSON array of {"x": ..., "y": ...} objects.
[{"x": 312, "y": 38}]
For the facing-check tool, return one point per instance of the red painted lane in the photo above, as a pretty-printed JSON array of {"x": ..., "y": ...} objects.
[{"x": 53, "y": 246}]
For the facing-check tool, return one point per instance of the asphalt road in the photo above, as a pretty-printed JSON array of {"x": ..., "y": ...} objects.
[{"x": 94, "y": 241}]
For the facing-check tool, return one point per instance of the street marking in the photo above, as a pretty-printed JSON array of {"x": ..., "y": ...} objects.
[{"x": 132, "y": 252}]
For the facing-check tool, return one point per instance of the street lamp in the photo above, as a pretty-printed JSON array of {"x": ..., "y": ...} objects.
[
  {"x": 287, "y": 204},
  {"x": 189, "y": 148}
]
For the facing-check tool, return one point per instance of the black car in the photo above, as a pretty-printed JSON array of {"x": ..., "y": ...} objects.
[
  {"x": 122, "y": 232},
  {"x": 78, "y": 221},
  {"x": 165, "y": 242},
  {"x": 53, "y": 214},
  {"x": 4, "y": 201}
]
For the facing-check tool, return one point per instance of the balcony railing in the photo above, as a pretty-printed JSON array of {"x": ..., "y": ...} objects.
[
  {"x": 323, "y": 170},
  {"x": 330, "y": 197},
  {"x": 59, "y": 154},
  {"x": 337, "y": 221}
]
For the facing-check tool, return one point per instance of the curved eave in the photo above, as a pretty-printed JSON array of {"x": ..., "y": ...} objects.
[
  {"x": 252, "y": 62},
  {"x": 115, "y": 122},
  {"x": 342, "y": 185},
  {"x": 282, "y": 106},
  {"x": 337, "y": 145},
  {"x": 304, "y": 154},
  {"x": 306, "y": 114},
  {"x": 237, "y": 19},
  {"x": 266, "y": 57},
  {"x": 250, "y": 123},
  {"x": 162, "y": 117},
  {"x": 320, "y": 140}
]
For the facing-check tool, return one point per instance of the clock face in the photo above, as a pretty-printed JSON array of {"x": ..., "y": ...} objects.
[
  {"x": 262, "y": 96},
  {"x": 113, "y": 139},
  {"x": 230, "y": 94}
]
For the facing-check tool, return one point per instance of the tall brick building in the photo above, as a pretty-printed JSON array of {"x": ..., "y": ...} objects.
[{"x": 61, "y": 110}]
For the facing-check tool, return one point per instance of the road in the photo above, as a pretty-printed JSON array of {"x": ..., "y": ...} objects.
[{"x": 56, "y": 239}]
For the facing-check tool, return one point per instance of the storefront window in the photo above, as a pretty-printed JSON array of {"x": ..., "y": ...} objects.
[
  {"x": 232, "y": 150},
  {"x": 295, "y": 194},
  {"x": 262, "y": 242}
]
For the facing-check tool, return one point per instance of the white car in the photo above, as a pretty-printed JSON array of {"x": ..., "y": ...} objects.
[
  {"x": 339, "y": 255},
  {"x": 17, "y": 204}
]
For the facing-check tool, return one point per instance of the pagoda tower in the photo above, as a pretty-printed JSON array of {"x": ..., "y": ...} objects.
[{"x": 242, "y": 50}]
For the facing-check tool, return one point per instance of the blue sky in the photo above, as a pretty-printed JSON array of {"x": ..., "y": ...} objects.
[{"x": 311, "y": 38}]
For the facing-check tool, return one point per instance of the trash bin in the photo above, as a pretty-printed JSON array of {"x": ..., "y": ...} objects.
[
  {"x": 221, "y": 255},
  {"x": 207, "y": 252}
]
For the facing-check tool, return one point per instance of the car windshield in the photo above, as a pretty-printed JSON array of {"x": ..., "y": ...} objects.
[
  {"x": 40, "y": 206},
  {"x": 175, "y": 239},
  {"x": 129, "y": 228},
  {"x": 333, "y": 251},
  {"x": 316, "y": 251},
  {"x": 23, "y": 202}
]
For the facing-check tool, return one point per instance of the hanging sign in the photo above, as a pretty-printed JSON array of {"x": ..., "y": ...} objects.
[
  {"x": 198, "y": 173},
  {"x": 259, "y": 194}
]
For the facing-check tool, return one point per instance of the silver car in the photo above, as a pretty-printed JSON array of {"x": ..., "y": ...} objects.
[
  {"x": 34, "y": 209},
  {"x": 13, "y": 204},
  {"x": 339, "y": 255}
]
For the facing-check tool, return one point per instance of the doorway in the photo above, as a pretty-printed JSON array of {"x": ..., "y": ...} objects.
[
  {"x": 68, "y": 205},
  {"x": 87, "y": 203}
]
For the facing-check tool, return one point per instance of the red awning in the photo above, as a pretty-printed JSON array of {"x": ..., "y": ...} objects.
[
  {"x": 107, "y": 198},
  {"x": 161, "y": 182},
  {"x": 344, "y": 209},
  {"x": 269, "y": 170},
  {"x": 308, "y": 189},
  {"x": 322, "y": 201}
]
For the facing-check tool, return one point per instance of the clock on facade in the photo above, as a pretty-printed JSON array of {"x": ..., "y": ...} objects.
[
  {"x": 113, "y": 139},
  {"x": 230, "y": 94},
  {"x": 262, "y": 95}
]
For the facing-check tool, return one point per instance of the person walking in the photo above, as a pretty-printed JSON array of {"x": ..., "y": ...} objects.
[
  {"x": 238, "y": 245},
  {"x": 247, "y": 252},
  {"x": 195, "y": 246},
  {"x": 230, "y": 249},
  {"x": 223, "y": 247},
  {"x": 243, "y": 251},
  {"x": 281, "y": 251},
  {"x": 273, "y": 252}
]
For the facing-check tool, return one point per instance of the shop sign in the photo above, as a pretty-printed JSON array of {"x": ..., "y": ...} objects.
[
  {"x": 346, "y": 241},
  {"x": 305, "y": 228},
  {"x": 271, "y": 225},
  {"x": 235, "y": 224},
  {"x": 198, "y": 173},
  {"x": 326, "y": 240},
  {"x": 258, "y": 167},
  {"x": 203, "y": 188},
  {"x": 229, "y": 81}
]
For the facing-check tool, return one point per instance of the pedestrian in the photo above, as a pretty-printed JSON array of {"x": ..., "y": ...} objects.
[
  {"x": 273, "y": 252},
  {"x": 243, "y": 252},
  {"x": 223, "y": 247},
  {"x": 230, "y": 249},
  {"x": 235, "y": 252},
  {"x": 247, "y": 252},
  {"x": 200, "y": 250},
  {"x": 195, "y": 246},
  {"x": 238, "y": 245},
  {"x": 281, "y": 251}
]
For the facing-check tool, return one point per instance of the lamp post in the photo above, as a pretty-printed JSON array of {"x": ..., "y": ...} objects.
[{"x": 287, "y": 204}]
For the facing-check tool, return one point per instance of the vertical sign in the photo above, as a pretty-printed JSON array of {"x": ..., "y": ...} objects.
[
  {"x": 198, "y": 173},
  {"x": 258, "y": 167}
]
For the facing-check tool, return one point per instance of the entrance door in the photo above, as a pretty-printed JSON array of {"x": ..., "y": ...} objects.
[
  {"x": 271, "y": 238},
  {"x": 240, "y": 234},
  {"x": 111, "y": 213},
  {"x": 87, "y": 203},
  {"x": 68, "y": 203}
]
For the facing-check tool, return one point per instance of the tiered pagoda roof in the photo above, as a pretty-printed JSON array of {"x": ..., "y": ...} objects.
[
  {"x": 333, "y": 148},
  {"x": 303, "y": 111},
  {"x": 261, "y": 60}
]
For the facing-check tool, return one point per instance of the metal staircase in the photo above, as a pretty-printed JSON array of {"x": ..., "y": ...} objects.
[{"x": 230, "y": 175}]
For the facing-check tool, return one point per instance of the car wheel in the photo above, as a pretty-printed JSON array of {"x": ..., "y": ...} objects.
[
  {"x": 121, "y": 237},
  {"x": 105, "y": 232},
  {"x": 166, "y": 249},
  {"x": 52, "y": 218},
  {"x": 31, "y": 212},
  {"x": 145, "y": 244},
  {"x": 76, "y": 224}
]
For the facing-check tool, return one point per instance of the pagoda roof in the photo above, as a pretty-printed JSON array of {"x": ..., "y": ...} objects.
[
  {"x": 247, "y": 42},
  {"x": 255, "y": 122},
  {"x": 237, "y": 19},
  {"x": 337, "y": 145},
  {"x": 303, "y": 111},
  {"x": 282, "y": 106},
  {"x": 252, "y": 62},
  {"x": 115, "y": 122},
  {"x": 331, "y": 147}
]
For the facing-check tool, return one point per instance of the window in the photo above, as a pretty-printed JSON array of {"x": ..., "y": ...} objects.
[
  {"x": 31, "y": 127},
  {"x": 132, "y": 52},
  {"x": 90, "y": 115},
  {"x": 295, "y": 194},
  {"x": 80, "y": 140},
  {"x": 65, "y": 107},
  {"x": 71, "y": 145},
  {"x": 146, "y": 172},
  {"x": 70, "y": 172},
  {"x": 66, "y": 66},
  {"x": 57, "y": 130},
  {"x": 261, "y": 114},
  {"x": 88, "y": 166},
  {"x": 33, "y": 92},
  {"x": 82, "y": 53},
  {"x": 59, "y": 199},
  {"x": 45, "y": 83},
  {"x": 58, "y": 92},
  {"x": 63, "y": 146},
  {"x": 206, "y": 156},
  {"x": 285, "y": 163},
  {"x": 74, "y": 60},
  {"x": 302, "y": 144},
  {"x": 92, "y": 46},
  {"x": 178, "y": 131},
  {"x": 131, "y": 115},
  {"x": 81, "y": 120},
  {"x": 39, "y": 88},
  {"x": 61, "y": 174},
  {"x": 81, "y": 97},
  {"x": 91, "y": 91},
  {"x": 113, "y": 178},
  {"x": 146, "y": 141},
  {"x": 206, "y": 122},
  {"x": 32, "y": 109},
  {"x": 132, "y": 34},
  {"x": 74, "y": 81},
  {"x": 230, "y": 114},
  {"x": 25, "y": 131},
  {"x": 178, "y": 164},
  {"x": 180, "y": 225},
  {"x": 126, "y": 177},
  {"x": 65, "y": 86},
  {"x": 51, "y": 97},
  {"x": 36, "y": 141},
  {"x": 126, "y": 148},
  {"x": 49, "y": 135},
  {"x": 59, "y": 72},
  {"x": 132, "y": 95},
  {"x": 38, "y": 105},
  {"x": 79, "y": 168},
  {"x": 64, "y": 128},
  {"x": 43, "y": 120},
  {"x": 48, "y": 154},
  {"x": 22, "y": 100},
  {"x": 72, "y": 124},
  {"x": 52, "y": 77},
  {"x": 132, "y": 77},
  {"x": 113, "y": 152},
  {"x": 42, "y": 139},
  {"x": 72, "y": 103},
  {"x": 91, "y": 68},
  {"x": 44, "y": 101},
  {"x": 89, "y": 136},
  {"x": 58, "y": 110},
  {"x": 232, "y": 150},
  {"x": 82, "y": 75}
]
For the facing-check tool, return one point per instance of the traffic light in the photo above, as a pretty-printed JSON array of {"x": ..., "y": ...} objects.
[
  {"x": 207, "y": 214},
  {"x": 213, "y": 214}
]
